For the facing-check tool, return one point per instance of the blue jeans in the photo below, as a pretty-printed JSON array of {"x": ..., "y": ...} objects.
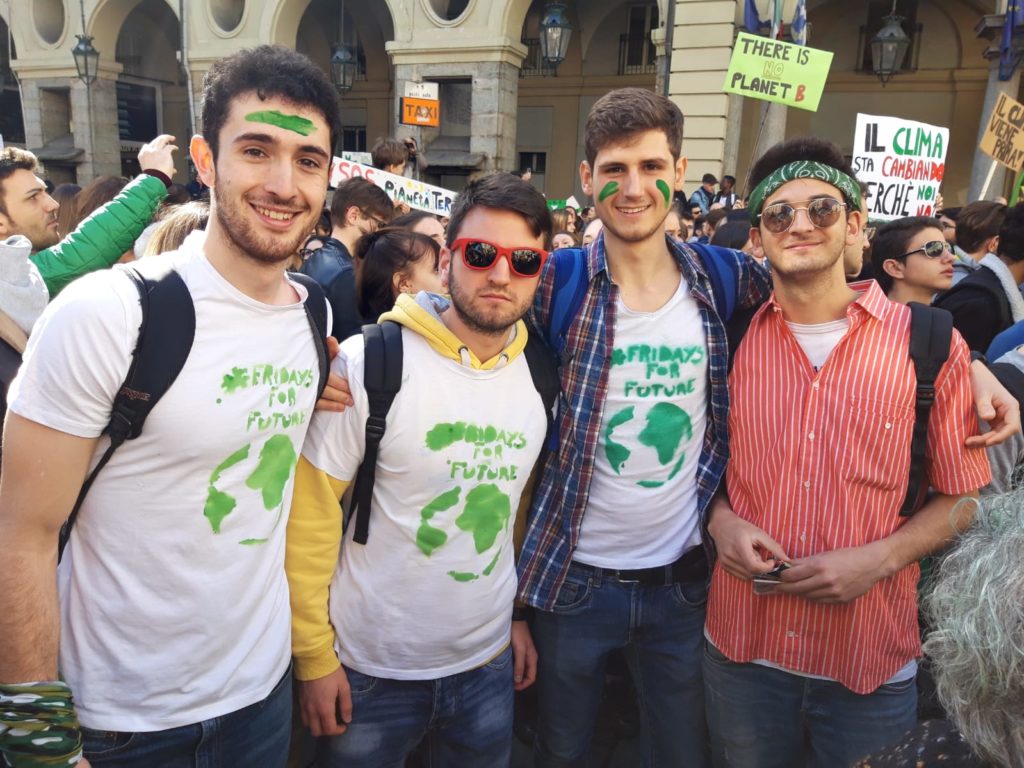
[
  {"x": 255, "y": 735},
  {"x": 762, "y": 717},
  {"x": 465, "y": 718},
  {"x": 659, "y": 629}
]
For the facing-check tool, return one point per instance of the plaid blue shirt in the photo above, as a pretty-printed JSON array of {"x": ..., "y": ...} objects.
[{"x": 561, "y": 496}]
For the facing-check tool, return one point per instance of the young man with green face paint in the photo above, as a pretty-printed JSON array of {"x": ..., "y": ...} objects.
[
  {"x": 614, "y": 557},
  {"x": 170, "y": 623}
]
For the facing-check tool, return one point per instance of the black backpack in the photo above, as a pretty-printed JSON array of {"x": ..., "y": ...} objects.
[
  {"x": 165, "y": 340},
  {"x": 382, "y": 378}
]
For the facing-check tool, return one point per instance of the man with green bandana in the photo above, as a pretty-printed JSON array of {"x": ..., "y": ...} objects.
[
  {"x": 814, "y": 663},
  {"x": 168, "y": 616}
]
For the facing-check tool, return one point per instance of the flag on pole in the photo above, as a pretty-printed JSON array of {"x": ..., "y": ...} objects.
[
  {"x": 1008, "y": 57},
  {"x": 777, "y": 26},
  {"x": 752, "y": 20},
  {"x": 798, "y": 29}
]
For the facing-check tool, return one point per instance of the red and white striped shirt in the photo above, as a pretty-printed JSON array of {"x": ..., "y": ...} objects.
[{"x": 820, "y": 461}]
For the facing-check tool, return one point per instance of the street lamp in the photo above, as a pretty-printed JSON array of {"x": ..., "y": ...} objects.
[
  {"x": 343, "y": 61},
  {"x": 343, "y": 67},
  {"x": 555, "y": 31},
  {"x": 86, "y": 59},
  {"x": 889, "y": 47}
]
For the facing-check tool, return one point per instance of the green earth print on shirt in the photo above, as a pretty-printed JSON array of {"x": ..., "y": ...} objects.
[
  {"x": 661, "y": 373},
  {"x": 486, "y": 509},
  {"x": 276, "y": 458}
]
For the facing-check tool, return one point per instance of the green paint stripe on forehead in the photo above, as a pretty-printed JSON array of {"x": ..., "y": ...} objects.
[
  {"x": 665, "y": 191},
  {"x": 609, "y": 189},
  {"x": 294, "y": 123}
]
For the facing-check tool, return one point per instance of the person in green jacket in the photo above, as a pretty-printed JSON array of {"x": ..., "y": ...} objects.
[{"x": 101, "y": 239}]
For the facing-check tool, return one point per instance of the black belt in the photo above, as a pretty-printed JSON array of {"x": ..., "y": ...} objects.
[{"x": 691, "y": 566}]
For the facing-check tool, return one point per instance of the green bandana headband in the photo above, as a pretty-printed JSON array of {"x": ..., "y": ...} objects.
[{"x": 803, "y": 169}]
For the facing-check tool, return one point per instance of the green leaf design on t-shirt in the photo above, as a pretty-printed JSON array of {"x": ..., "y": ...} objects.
[
  {"x": 667, "y": 425},
  {"x": 277, "y": 459},
  {"x": 486, "y": 513},
  {"x": 219, "y": 504},
  {"x": 429, "y": 538},
  {"x": 616, "y": 452}
]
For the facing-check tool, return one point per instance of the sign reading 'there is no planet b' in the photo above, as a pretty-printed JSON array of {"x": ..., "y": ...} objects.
[{"x": 772, "y": 70}]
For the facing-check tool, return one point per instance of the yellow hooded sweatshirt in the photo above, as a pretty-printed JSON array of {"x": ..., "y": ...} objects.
[{"x": 315, "y": 522}]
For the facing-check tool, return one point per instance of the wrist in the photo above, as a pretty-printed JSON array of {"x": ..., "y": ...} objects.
[
  {"x": 157, "y": 174},
  {"x": 521, "y": 612}
]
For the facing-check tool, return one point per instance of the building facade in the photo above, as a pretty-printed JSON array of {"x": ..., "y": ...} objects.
[{"x": 501, "y": 107}]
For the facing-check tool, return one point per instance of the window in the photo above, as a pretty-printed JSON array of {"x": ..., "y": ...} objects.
[
  {"x": 353, "y": 139},
  {"x": 536, "y": 161},
  {"x": 636, "y": 51},
  {"x": 137, "y": 113}
]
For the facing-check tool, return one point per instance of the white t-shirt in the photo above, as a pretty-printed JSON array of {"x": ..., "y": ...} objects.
[
  {"x": 642, "y": 509},
  {"x": 818, "y": 340},
  {"x": 430, "y": 594},
  {"x": 173, "y": 597}
]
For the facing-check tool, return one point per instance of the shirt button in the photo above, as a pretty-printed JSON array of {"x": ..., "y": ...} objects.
[
  {"x": 810, "y": 436},
  {"x": 888, "y": 425},
  {"x": 807, "y": 483},
  {"x": 803, "y": 537},
  {"x": 814, "y": 385},
  {"x": 791, "y": 633}
]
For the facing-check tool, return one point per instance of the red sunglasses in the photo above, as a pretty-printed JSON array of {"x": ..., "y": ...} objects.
[{"x": 480, "y": 254}]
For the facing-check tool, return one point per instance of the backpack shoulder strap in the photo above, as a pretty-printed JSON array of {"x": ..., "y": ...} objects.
[
  {"x": 931, "y": 331},
  {"x": 165, "y": 339},
  {"x": 544, "y": 372},
  {"x": 382, "y": 378},
  {"x": 723, "y": 276},
  {"x": 316, "y": 312},
  {"x": 567, "y": 297}
]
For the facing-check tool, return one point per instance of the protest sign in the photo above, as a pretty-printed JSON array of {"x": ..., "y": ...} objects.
[
  {"x": 902, "y": 162},
  {"x": 565, "y": 202},
  {"x": 358, "y": 157},
  {"x": 415, "y": 194},
  {"x": 772, "y": 70},
  {"x": 1004, "y": 135}
]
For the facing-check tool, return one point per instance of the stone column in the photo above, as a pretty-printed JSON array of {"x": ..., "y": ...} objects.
[
  {"x": 701, "y": 47},
  {"x": 94, "y": 123},
  {"x": 983, "y": 164}
]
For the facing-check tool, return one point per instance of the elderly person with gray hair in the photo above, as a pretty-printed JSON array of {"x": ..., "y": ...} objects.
[{"x": 976, "y": 606}]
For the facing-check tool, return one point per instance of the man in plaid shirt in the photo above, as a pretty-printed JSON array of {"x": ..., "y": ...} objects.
[{"x": 615, "y": 554}]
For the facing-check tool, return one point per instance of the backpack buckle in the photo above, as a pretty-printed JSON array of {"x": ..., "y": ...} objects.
[
  {"x": 925, "y": 394},
  {"x": 375, "y": 427}
]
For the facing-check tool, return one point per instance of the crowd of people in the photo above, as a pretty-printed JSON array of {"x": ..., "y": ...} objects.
[{"x": 690, "y": 433}]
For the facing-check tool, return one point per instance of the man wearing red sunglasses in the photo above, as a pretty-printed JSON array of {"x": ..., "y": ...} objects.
[
  {"x": 817, "y": 667},
  {"x": 408, "y": 635}
]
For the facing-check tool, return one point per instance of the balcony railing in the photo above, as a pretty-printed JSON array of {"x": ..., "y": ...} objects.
[
  {"x": 533, "y": 64},
  {"x": 636, "y": 55}
]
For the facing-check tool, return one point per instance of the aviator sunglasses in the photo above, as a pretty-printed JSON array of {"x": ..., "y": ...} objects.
[
  {"x": 933, "y": 249},
  {"x": 480, "y": 254},
  {"x": 823, "y": 212}
]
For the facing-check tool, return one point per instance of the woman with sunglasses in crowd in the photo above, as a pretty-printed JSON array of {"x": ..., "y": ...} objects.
[{"x": 912, "y": 259}]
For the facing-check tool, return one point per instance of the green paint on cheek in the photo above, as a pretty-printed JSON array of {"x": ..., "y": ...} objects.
[
  {"x": 609, "y": 189},
  {"x": 294, "y": 123},
  {"x": 665, "y": 191}
]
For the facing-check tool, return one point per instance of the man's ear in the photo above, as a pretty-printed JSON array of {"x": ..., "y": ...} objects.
[
  {"x": 681, "y": 164},
  {"x": 854, "y": 224},
  {"x": 894, "y": 268},
  {"x": 586, "y": 179},
  {"x": 444, "y": 265},
  {"x": 993, "y": 244},
  {"x": 352, "y": 214},
  {"x": 202, "y": 159}
]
